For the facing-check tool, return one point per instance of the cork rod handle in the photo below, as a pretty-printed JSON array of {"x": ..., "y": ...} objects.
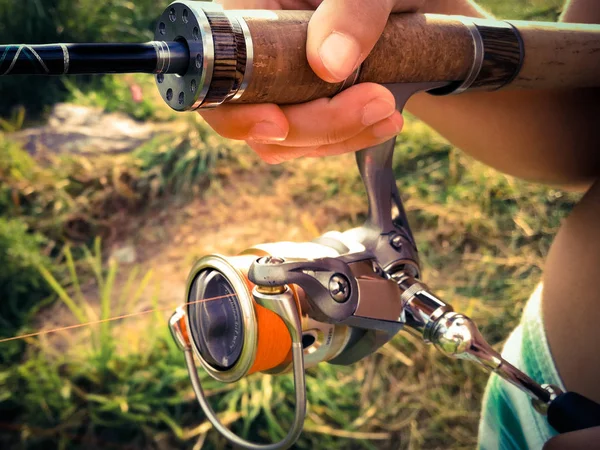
[{"x": 422, "y": 48}]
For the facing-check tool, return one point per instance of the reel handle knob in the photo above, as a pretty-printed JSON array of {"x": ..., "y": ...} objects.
[{"x": 571, "y": 411}]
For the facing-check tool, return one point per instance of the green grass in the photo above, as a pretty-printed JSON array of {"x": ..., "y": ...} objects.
[{"x": 544, "y": 10}]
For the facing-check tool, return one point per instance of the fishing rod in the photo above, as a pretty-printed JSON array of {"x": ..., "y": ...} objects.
[
  {"x": 204, "y": 56},
  {"x": 281, "y": 307}
]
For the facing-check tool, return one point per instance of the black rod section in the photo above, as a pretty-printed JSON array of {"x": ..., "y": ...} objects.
[{"x": 61, "y": 59}]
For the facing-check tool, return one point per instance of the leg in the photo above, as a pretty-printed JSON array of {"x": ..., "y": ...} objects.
[{"x": 571, "y": 297}]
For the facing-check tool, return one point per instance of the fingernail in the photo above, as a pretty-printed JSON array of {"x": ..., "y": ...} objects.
[
  {"x": 388, "y": 128},
  {"x": 266, "y": 132},
  {"x": 339, "y": 54},
  {"x": 377, "y": 110}
]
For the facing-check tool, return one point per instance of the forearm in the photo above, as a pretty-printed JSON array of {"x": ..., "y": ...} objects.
[
  {"x": 535, "y": 135},
  {"x": 581, "y": 11},
  {"x": 545, "y": 136}
]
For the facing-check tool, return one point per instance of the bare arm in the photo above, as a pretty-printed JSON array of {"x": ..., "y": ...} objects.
[{"x": 545, "y": 136}]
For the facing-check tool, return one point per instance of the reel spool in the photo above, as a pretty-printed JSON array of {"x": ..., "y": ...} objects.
[{"x": 233, "y": 335}]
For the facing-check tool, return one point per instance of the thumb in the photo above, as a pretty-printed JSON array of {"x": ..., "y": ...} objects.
[{"x": 341, "y": 33}]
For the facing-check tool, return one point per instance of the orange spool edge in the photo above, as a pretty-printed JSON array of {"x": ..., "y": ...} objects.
[{"x": 274, "y": 343}]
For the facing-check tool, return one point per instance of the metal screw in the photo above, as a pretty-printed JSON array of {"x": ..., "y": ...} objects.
[
  {"x": 270, "y": 260},
  {"x": 339, "y": 288},
  {"x": 396, "y": 242}
]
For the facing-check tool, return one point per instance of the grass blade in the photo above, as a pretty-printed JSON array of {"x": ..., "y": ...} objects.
[{"x": 62, "y": 294}]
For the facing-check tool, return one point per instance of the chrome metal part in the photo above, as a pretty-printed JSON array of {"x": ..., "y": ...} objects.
[
  {"x": 457, "y": 336},
  {"x": 163, "y": 57},
  {"x": 220, "y": 55},
  {"x": 396, "y": 241},
  {"x": 313, "y": 276},
  {"x": 330, "y": 341},
  {"x": 542, "y": 407},
  {"x": 176, "y": 325},
  {"x": 339, "y": 288},
  {"x": 185, "y": 20},
  {"x": 378, "y": 298},
  {"x": 420, "y": 307},
  {"x": 375, "y": 166}
]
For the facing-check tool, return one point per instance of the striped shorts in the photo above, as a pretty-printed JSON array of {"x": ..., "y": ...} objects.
[{"x": 508, "y": 420}]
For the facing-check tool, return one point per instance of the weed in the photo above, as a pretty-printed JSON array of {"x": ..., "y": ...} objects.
[{"x": 21, "y": 286}]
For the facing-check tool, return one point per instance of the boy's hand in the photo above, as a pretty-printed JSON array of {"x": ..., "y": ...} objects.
[{"x": 341, "y": 34}]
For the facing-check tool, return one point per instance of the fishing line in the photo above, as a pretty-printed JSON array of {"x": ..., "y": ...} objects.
[{"x": 110, "y": 319}]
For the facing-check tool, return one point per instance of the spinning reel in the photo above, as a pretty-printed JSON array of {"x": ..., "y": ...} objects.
[{"x": 288, "y": 306}]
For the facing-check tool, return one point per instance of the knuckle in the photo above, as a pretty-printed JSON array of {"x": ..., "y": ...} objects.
[
  {"x": 334, "y": 135},
  {"x": 268, "y": 156}
]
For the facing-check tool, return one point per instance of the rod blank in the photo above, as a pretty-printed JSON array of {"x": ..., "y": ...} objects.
[{"x": 61, "y": 59}]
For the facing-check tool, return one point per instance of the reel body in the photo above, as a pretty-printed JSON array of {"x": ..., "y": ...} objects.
[{"x": 239, "y": 318}]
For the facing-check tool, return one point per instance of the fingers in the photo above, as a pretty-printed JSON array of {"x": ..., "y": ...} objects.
[
  {"x": 341, "y": 33},
  {"x": 320, "y": 122},
  {"x": 265, "y": 122},
  {"x": 377, "y": 134},
  {"x": 373, "y": 135},
  {"x": 329, "y": 121}
]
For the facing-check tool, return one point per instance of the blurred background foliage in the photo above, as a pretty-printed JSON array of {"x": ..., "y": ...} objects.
[
  {"x": 45, "y": 21},
  {"x": 482, "y": 238}
]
